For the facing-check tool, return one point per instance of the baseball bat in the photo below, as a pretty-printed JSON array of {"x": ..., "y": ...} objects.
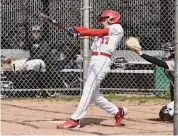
[{"x": 52, "y": 21}]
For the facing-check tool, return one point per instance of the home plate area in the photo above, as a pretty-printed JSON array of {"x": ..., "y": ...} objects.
[{"x": 33, "y": 117}]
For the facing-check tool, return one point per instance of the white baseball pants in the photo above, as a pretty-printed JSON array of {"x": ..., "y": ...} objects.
[{"x": 98, "y": 68}]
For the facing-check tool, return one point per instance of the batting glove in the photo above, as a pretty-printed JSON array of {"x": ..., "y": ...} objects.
[{"x": 73, "y": 33}]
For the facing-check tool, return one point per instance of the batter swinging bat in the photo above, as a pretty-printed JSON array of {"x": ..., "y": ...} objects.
[{"x": 51, "y": 21}]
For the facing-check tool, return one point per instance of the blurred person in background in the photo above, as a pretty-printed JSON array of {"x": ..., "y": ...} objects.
[
  {"x": 42, "y": 49},
  {"x": 39, "y": 49}
]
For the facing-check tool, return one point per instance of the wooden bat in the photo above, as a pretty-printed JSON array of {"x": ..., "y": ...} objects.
[{"x": 52, "y": 21}]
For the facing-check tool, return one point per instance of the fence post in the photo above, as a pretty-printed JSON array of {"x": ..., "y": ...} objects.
[
  {"x": 176, "y": 75},
  {"x": 86, "y": 53},
  {"x": 0, "y": 19}
]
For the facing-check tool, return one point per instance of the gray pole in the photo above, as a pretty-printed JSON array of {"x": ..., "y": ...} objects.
[
  {"x": 0, "y": 20},
  {"x": 176, "y": 76},
  {"x": 86, "y": 53}
]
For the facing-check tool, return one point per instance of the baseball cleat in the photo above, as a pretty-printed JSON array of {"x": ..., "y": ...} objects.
[
  {"x": 69, "y": 124},
  {"x": 120, "y": 115}
]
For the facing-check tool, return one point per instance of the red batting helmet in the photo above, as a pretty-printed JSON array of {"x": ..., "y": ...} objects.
[{"x": 113, "y": 16}]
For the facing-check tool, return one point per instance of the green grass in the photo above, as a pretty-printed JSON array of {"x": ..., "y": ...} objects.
[
  {"x": 137, "y": 99},
  {"x": 120, "y": 98}
]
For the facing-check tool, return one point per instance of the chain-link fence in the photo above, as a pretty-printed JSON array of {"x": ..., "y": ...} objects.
[
  {"x": 38, "y": 59},
  {"x": 153, "y": 22}
]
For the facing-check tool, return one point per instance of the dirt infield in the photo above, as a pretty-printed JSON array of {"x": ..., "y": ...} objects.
[{"x": 34, "y": 117}]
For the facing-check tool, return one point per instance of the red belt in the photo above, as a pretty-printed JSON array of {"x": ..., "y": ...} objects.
[{"x": 101, "y": 53}]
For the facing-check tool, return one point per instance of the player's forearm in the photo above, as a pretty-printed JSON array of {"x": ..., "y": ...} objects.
[
  {"x": 154, "y": 60},
  {"x": 78, "y": 29},
  {"x": 94, "y": 32}
]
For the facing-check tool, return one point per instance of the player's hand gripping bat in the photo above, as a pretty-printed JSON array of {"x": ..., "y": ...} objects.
[{"x": 52, "y": 21}]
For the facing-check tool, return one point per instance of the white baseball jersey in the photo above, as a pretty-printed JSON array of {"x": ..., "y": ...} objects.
[
  {"x": 25, "y": 65},
  {"x": 109, "y": 43}
]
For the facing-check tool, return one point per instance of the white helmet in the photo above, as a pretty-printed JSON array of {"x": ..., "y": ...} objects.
[{"x": 167, "y": 111}]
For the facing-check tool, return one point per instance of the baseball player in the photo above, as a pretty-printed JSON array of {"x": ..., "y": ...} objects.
[
  {"x": 166, "y": 113},
  {"x": 104, "y": 44}
]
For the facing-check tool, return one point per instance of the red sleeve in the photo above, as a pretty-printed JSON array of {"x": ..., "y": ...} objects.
[
  {"x": 94, "y": 32},
  {"x": 80, "y": 28}
]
